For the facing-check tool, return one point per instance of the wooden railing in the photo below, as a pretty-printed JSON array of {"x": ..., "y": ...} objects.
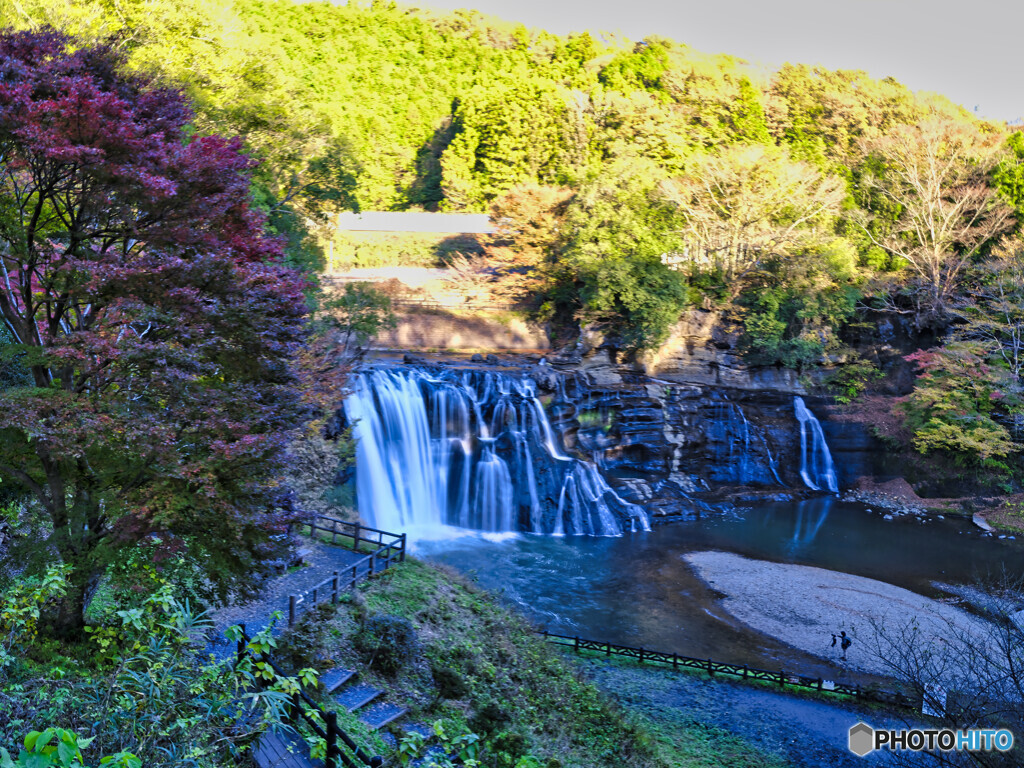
[
  {"x": 324, "y": 724},
  {"x": 359, "y": 534},
  {"x": 390, "y": 548},
  {"x": 780, "y": 678},
  {"x": 497, "y": 306}
]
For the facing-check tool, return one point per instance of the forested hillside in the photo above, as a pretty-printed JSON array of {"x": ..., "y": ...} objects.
[
  {"x": 388, "y": 107},
  {"x": 166, "y": 167},
  {"x": 631, "y": 180}
]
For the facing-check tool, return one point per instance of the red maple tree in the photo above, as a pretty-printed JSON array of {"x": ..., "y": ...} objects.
[{"x": 153, "y": 318}]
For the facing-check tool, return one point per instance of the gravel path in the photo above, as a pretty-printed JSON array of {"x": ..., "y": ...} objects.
[
  {"x": 321, "y": 562},
  {"x": 802, "y": 606}
]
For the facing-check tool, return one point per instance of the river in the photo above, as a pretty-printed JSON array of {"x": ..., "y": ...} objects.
[{"x": 637, "y": 590}]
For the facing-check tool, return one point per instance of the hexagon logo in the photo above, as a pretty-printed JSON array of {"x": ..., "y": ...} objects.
[{"x": 862, "y": 739}]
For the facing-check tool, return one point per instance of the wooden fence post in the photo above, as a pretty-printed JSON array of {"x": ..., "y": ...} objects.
[
  {"x": 675, "y": 661},
  {"x": 782, "y": 679},
  {"x": 334, "y": 589},
  {"x": 373, "y": 561},
  {"x": 355, "y": 539},
  {"x": 608, "y": 650},
  {"x": 291, "y": 610},
  {"x": 641, "y": 656},
  {"x": 576, "y": 644},
  {"x": 355, "y": 578},
  {"x": 331, "y": 758},
  {"x": 711, "y": 668},
  {"x": 401, "y": 557},
  {"x": 240, "y": 650}
]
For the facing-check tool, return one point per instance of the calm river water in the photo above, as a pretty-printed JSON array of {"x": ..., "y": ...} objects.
[{"x": 637, "y": 590}]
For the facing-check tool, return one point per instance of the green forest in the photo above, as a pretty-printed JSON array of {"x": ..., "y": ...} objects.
[{"x": 161, "y": 347}]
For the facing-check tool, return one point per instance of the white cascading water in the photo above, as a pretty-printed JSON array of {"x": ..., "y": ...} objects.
[
  {"x": 816, "y": 467},
  {"x": 731, "y": 429},
  {"x": 472, "y": 449}
]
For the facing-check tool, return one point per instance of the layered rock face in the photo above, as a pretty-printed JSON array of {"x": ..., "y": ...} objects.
[
  {"x": 674, "y": 432},
  {"x": 672, "y": 446},
  {"x": 702, "y": 350}
]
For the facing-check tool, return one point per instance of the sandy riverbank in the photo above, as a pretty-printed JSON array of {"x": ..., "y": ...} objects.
[{"x": 802, "y": 606}]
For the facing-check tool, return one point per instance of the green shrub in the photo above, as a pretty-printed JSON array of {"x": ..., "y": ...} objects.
[
  {"x": 796, "y": 303},
  {"x": 450, "y": 683},
  {"x": 388, "y": 642},
  {"x": 961, "y": 405},
  {"x": 142, "y": 688},
  {"x": 58, "y": 748},
  {"x": 849, "y": 381},
  {"x": 489, "y": 718}
]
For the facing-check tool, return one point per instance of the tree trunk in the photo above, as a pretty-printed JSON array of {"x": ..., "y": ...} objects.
[
  {"x": 68, "y": 617},
  {"x": 77, "y": 534}
]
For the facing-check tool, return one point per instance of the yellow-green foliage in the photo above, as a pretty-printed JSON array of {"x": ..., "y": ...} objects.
[
  {"x": 356, "y": 107},
  {"x": 959, "y": 404},
  {"x": 20, "y": 609}
]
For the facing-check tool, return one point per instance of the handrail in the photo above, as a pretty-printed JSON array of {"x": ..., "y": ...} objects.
[
  {"x": 355, "y": 531},
  {"x": 379, "y": 560},
  {"x": 737, "y": 670},
  {"x": 331, "y": 733}
]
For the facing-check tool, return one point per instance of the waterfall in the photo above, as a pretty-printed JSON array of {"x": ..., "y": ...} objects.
[
  {"x": 816, "y": 467},
  {"x": 472, "y": 449},
  {"x": 734, "y": 441}
]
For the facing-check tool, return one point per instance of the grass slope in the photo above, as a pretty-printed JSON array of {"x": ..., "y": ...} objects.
[{"x": 482, "y": 667}]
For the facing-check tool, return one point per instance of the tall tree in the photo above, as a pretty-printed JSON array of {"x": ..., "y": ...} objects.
[
  {"x": 747, "y": 203},
  {"x": 936, "y": 176},
  {"x": 1009, "y": 174},
  {"x": 609, "y": 268},
  {"x": 528, "y": 222},
  {"x": 504, "y": 136},
  {"x": 137, "y": 284}
]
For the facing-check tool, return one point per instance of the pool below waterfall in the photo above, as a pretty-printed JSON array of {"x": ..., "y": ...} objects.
[{"x": 638, "y": 590}]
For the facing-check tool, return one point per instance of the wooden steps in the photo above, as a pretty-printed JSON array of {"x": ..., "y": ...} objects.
[
  {"x": 380, "y": 714},
  {"x": 356, "y": 696},
  {"x": 281, "y": 749},
  {"x": 333, "y": 679}
]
